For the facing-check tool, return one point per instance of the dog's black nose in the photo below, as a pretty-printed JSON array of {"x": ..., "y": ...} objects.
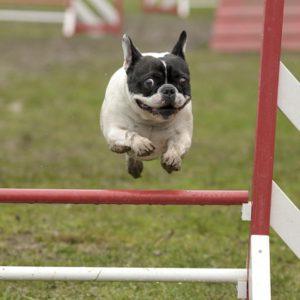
[{"x": 168, "y": 91}]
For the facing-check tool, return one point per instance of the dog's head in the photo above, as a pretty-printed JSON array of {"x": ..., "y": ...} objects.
[{"x": 158, "y": 84}]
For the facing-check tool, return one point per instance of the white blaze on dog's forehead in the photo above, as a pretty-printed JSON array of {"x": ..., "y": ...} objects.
[
  {"x": 165, "y": 66},
  {"x": 156, "y": 54}
]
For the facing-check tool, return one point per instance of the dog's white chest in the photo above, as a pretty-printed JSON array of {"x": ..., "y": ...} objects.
[{"x": 157, "y": 135}]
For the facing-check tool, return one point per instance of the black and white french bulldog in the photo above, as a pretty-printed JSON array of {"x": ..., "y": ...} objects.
[{"x": 147, "y": 110}]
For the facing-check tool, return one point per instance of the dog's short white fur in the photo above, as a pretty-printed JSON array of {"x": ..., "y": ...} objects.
[{"x": 140, "y": 135}]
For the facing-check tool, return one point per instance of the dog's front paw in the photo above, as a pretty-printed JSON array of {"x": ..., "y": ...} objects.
[
  {"x": 142, "y": 146},
  {"x": 119, "y": 148},
  {"x": 171, "y": 161}
]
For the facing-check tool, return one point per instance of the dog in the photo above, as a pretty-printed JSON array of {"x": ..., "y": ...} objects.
[{"x": 147, "y": 109}]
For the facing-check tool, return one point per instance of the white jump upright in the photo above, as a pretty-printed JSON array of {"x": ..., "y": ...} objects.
[
  {"x": 92, "y": 16},
  {"x": 176, "y": 7},
  {"x": 181, "y": 8},
  {"x": 269, "y": 206}
]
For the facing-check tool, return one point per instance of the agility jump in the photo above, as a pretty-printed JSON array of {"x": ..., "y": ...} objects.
[
  {"x": 76, "y": 16},
  {"x": 268, "y": 206}
]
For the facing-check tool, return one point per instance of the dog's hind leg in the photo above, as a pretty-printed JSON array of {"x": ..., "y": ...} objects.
[{"x": 134, "y": 166}]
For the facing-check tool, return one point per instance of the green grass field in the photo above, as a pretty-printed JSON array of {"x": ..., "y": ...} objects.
[{"x": 50, "y": 95}]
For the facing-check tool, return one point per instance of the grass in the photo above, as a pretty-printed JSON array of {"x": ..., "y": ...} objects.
[{"x": 50, "y": 96}]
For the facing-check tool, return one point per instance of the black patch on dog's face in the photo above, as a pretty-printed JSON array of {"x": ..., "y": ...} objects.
[
  {"x": 159, "y": 85},
  {"x": 169, "y": 69},
  {"x": 140, "y": 76},
  {"x": 178, "y": 73}
]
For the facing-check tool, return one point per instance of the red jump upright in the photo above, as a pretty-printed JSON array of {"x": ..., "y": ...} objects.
[{"x": 266, "y": 117}]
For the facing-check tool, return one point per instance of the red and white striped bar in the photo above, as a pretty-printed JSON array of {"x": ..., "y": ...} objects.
[{"x": 150, "y": 197}]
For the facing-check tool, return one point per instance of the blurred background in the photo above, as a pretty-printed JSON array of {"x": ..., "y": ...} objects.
[{"x": 56, "y": 60}]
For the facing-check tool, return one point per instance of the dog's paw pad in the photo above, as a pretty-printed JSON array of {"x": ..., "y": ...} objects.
[
  {"x": 171, "y": 162},
  {"x": 142, "y": 146},
  {"x": 120, "y": 148}
]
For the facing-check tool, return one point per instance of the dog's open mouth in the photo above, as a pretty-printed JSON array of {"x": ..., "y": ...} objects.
[{"x": 165, "y": 111}]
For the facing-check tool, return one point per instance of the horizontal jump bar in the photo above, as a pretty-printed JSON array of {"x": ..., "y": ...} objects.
[
  {"x": 31, "y": 16},
  {"x": 155, "y": 197},
  {"x": 122, "y": 274}
]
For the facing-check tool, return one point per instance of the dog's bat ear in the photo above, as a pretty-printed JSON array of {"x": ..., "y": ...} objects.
[
  {"x": 131, "y": 53},
  {"x": 179, "y": 48}
]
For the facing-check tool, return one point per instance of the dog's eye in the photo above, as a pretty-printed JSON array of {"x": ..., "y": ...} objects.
[
  {"x": 182, "y": 80},
  {"x": 149, "y": 83}
]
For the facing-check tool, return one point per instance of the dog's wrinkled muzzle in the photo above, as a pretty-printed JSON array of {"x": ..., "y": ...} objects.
[{"x": 168, "y": 93}]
